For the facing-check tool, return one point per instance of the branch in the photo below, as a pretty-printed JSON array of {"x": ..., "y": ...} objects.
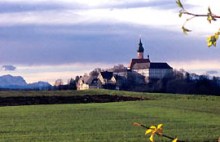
[
  {"x": 199, "y": 15},
  {"x": 163, "y": 135},
  {"x": 211, "y": 40}
]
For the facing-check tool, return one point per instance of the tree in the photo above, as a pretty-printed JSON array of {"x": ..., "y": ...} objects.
[
  {"x": 119, "y": 68},
  {"x": 77, "y": 78},
  {"x": 58, "y": 82},
  {"x": 95, "y": 72},
  {"x": 211, "y": 17},
  {"x": 71, "y": 84}
]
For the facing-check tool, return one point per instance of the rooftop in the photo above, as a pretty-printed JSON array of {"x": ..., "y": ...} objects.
[
  {"x": 159, "y": 66},
  {"x": 139, "y": 64},
  {"x": 107, "y": 75}
]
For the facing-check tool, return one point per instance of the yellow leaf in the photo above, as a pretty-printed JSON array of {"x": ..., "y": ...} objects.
[
  {"x": 209, "y": 44},
  {"x": 159, "y": 126},
  {"x": 175, "y": 140},
  {"x": 159, "y": 129},
  {"x": 214, "y": 44},
  {"x": 209, "y": 18},
  {"x": 153, "y": 127},
  {"x": 152, "y": 138},
  {"x": 216, "y": 36},
  {"x": 211, "y": 40},
  {"x": 148, "y": 131},
  {"x": 154, "y": 130}
]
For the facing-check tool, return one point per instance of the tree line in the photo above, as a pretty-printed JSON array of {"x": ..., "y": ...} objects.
[{"x": 180, "y": 82}]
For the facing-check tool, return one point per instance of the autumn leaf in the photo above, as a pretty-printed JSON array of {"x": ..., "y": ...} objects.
[{"x": 136, "y": 124}]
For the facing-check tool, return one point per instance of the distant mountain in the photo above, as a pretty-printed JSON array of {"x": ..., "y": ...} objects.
[
  {"x": 17, "y": 82},
  {"x": 10, "y": 81},
  {"x": 40, "y": 85}
]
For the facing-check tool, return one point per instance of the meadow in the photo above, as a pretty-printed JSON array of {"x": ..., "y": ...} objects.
[{"x": 192, "y": 118}]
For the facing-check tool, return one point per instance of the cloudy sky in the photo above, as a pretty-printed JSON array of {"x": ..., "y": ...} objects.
[{"x": 46, "y": 40}]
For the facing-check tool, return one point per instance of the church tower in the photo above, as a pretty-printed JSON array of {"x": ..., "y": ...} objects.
[{"x": 140, "y": 51}]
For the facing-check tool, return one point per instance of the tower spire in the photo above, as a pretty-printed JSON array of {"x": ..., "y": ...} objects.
[{"x": 140, "y": 50}]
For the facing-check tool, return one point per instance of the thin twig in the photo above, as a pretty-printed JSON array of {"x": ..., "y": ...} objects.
[{"x": 199, "y": 15}]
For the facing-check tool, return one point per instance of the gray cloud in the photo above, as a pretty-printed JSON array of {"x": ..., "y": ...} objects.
[
  {"x": 212, "y": 72},
  {"x": 12, "y": 7},
  {"x": 8, "y": 68},
  {"x": 106, "y": 43},
  {"x": 165, "y": 4},
  {"x": 22, "y": 7},
  {"x": 100, "y": 41}
]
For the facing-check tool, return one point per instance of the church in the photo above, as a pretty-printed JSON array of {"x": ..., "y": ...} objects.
[
  {"x": 150, "y": 70},
  {"x": 142, "y": 68}
]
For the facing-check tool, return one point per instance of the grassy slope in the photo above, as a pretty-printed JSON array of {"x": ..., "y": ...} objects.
[{"x": 193, "y": 118}]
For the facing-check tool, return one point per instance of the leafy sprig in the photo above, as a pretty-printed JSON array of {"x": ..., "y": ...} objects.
[
  {"x": 211, "y": 17},
  {"x": 156, "y": 130}
]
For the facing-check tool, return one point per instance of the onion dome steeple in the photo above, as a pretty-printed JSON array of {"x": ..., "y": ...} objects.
[
  {"x": 140, "y": 48},
  {"x": 140, "y": 51}
]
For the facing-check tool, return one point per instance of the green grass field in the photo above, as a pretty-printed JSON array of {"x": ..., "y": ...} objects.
[{"x": 190, "y": 118}]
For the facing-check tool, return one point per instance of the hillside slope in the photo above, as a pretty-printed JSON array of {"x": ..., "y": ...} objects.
[{"x": 191, "y": 118}]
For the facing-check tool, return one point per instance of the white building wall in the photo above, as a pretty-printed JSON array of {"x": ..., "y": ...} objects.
[
  {"x": 82, "y": 86},
  {"x": 144, "y": 72}
]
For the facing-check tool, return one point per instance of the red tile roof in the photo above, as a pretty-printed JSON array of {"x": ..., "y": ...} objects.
[{"x": 139, "y": 63}]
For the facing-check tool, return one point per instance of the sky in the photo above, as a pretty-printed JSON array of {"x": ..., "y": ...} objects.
[{"x": 45, "y": 40}]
